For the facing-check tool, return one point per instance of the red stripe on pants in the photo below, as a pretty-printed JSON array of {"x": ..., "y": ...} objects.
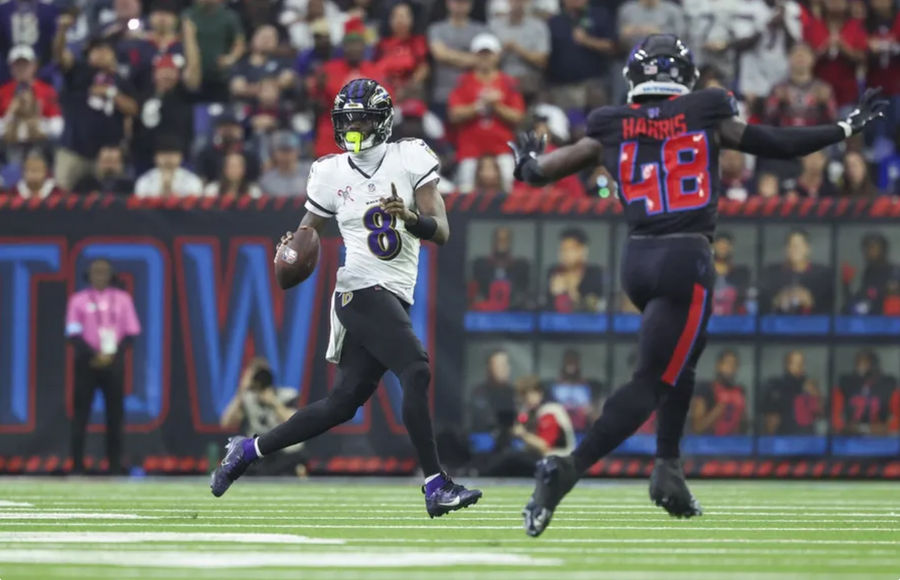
[{"x": 688, "y": 336}]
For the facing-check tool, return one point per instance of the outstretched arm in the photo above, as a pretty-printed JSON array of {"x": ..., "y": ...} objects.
[
  {"x": 790, "y": 142},
  {"x": 537, "y": 168}
]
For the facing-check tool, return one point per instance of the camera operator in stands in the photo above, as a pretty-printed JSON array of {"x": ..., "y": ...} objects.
[{"x": 257, "y": 407}]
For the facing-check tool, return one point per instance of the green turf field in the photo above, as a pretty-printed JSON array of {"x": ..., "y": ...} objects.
[{"x": 335, "y": 530}]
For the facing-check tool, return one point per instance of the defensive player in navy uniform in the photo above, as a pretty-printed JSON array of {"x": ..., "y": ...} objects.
[
  {"x": 384, "y": 197},
  {"x": 663, "y": 149}
]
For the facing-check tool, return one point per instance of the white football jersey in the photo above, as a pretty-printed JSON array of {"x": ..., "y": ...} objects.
[{"x": 379, "y": 250}]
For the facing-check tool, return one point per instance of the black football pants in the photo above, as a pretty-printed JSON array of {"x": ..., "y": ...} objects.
[
  {"x": 670, "y": 279},
  {"x": 379, "y": 337}
]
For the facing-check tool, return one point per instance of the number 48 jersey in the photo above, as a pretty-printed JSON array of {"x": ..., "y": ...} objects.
[
  {"x": 379, "y": 250},
  {"x": 665, "y": 157}
]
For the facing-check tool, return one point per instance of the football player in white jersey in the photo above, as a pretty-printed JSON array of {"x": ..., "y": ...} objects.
[{"x": 384, "y": 197}]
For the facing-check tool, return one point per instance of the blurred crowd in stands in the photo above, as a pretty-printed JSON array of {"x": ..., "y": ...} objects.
[{"x": 232, "y": 98}]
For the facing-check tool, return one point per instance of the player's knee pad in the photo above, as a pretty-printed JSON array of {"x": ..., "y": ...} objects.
[{"x": 416, "y": 376}]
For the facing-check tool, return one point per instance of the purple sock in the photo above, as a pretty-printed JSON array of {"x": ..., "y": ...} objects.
[
  {"x": 435, "y": 484},
  {"x": 250, "y": 453}
]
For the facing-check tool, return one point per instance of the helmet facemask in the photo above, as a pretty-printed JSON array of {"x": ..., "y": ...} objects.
[{"x": 364, "y": 120}]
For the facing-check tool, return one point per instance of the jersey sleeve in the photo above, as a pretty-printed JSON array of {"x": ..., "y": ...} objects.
[
  {"x": 317, "y": 199},
  {"x": 720, "y": 104},
  {"x": 421, "y": 163},
  {"x": 600, "y": 123}
]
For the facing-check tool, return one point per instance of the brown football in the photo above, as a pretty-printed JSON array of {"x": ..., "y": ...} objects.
[{"x": 297, "y": 260}]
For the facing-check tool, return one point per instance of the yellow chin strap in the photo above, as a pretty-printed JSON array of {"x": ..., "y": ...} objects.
[{"x": 354, "y": 137}]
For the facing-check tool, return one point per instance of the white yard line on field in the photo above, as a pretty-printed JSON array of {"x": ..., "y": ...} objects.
[
  {"x": 136, "y": 537},
  {"x": 247, "y": 559},
  {"x": 33, "y": 515}
]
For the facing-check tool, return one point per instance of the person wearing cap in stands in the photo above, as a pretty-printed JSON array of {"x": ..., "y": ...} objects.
[
  {"x": 29, "y": 108},
  {"x": 167, "y": 109},
  {"x": 95, "y": 100},
  {"x": 485, "y": 107},
  {"x": 287, "y": 176}
]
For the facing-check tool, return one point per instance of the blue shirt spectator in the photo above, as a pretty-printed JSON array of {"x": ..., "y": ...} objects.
[
  {"x": 581, "y": 43},
  {"x": 28, "y": 22}
]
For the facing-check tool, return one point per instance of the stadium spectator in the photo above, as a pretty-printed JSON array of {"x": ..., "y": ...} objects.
[
  {"x": 335, "y": 74},
  {"x": 813, "y": 181},
  {"x": 109, "y": 174},
  {"x": 638, "y": 19},
  {"x": 168, "y": 178},
  {"x": 581, "y": 44},
  {"x": 763, "y": 30},
  {"x": 309, "y": 60},
  {"x": 228, "y": 137},
  {"x": 581, "y": 397},
  {"x": 883, "y": 64},
  {"x": 403, "y": 55},
  {"x": 732, "y": 280},
  {"x": 719, "y": 407},
  {"x": 255, "y": 14},
  {"x": 840, "y": 42},
  {"x": 866, "y": 400},
  {"x": 257, "y": 407},
  {"x": 138, "y": 53},
  {"x": 270, "y": 111},
  {"x": 767, "y": 184},
  {"x": 450, "y": 43},
  {"x": 709, "y": 31},
  {"x": 856, "y": 181},
  {"x": 500, "y": 281},
  {"x": 487, "y": 176},
  {"x": 526, "y": 45},
  {"x": 878, "y": 292},
  {"x": 792, "y": 403},
  {"x": 167, "y": 108},
  {"x": 27, "y": 23},
  {"x": 221, "y": 40},
  {"x": 574, "y": 284},
  {"x": 29, "y": 108},
  {"x": 492, "y": 405},
  {"x": 233, "y": 182},
  {"x": 36, "y": 182},
  {"x": 262, "y": 62},
  {"x": 127, "y": 22},
  {"x": 304, "y": 19},
  {"x": 101, "y": 323},
  {"x": 801, "y": 100},
  {"x": 542, "y": 427},
  {"x": 287, "y": 176},
  {"x": 95, "y": 100},
  {"x": 735, "y": 177},
  {"x": 797, "y": 285},
  {"x": 485, "y": 107}
]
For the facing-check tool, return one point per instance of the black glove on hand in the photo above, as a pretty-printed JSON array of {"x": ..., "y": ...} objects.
[
  {"x": 526, "y": 148},
  {"x": 870, "y": 107}
]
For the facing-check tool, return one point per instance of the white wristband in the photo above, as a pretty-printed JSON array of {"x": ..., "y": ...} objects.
[{"x": 848, "y": 130}]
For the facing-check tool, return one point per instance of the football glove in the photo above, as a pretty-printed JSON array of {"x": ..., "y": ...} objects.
[
  {"x": 870, "y": 107},
  {"x": 526, "y": 147}
]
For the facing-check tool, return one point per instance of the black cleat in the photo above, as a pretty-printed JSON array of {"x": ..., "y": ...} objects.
[
  {"x": 669, "y": 490},
  {"x": 554, "y": 477},
  {"x": 449, "y": 497}
]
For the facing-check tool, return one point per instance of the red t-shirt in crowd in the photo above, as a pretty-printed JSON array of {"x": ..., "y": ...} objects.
[
  {"x": 485, "y": 134},
  {"x": 836, "y": 69},
  {"x": 884, "y": 68},
  {"x": 44, "y": 94},
  {"x": 400, "y": 57},
  {"x": 337, "y": 73}
]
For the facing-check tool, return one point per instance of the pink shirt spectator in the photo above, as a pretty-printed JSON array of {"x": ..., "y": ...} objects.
[{"x": 92, "y": 312}]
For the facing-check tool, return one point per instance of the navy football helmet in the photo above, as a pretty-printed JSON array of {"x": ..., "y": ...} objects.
[
  {"x": 362, "y": 115},
  {"x": 660, "y": 65}
]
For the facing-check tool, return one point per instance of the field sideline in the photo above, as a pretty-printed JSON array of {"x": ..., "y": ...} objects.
[{"x": 378, "y": 529}]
